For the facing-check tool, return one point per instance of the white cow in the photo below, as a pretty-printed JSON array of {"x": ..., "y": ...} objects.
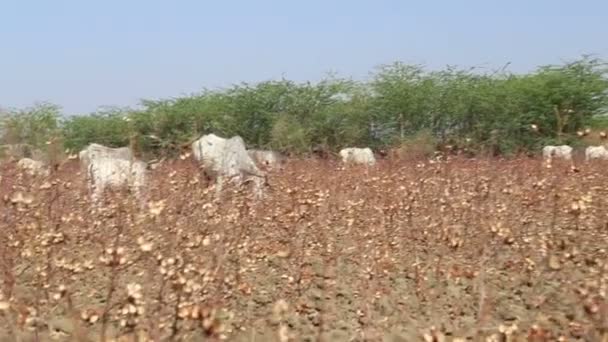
[
  {"x": 563, "y": 151},
  {"x": 266, "y": 159},
  {"x": 33, "y": 167},
  {"x": 358, "y": 156},
  {"x": 227, "y": 159},
  {"x": 596, "y": 152},
  {"x": 104, "y": 172},
  {"x": 112, "y": 167},
  {"x": 96, "y": 151}
]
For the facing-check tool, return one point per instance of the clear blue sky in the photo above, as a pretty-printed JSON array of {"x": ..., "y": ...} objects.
[{"x": 81, "y": 54}]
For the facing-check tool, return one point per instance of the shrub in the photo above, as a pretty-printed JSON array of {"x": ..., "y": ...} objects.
[
  {"x": 33, "y": 126},
  {"x": 491, "y": 111},
  {"x": 419, "y": 145}
]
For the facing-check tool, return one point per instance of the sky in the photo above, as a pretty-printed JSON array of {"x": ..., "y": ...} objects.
[{"x": 85, "y": 54}]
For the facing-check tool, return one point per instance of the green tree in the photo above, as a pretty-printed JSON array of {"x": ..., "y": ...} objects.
[
  {"x": 563, "y": 98},
  {"x": 108, "y": 126},
  {"x": 402, "y": 104},
  {"x": 34, "y": 125},
  {"x": 402, "y": 97}
]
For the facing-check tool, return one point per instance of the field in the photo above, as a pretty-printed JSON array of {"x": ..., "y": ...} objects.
[{"x": 487, "y": 250}]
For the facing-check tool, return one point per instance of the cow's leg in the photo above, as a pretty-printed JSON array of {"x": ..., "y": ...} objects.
[
  {"x": 136, "y": 183},
  {"x": 206, "y": 177},
  {"x": 90, "y": 188},
  {"x": 96, "y": 192},
  {"x": 219, "y": 184},
  {"x": 258, "y": 187},
  {"x": 140, "y": 196}
]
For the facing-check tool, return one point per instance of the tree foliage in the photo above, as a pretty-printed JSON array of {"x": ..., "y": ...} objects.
[
  {"x": 401, "y": 103},
  {"x": 34, "y": 125}
]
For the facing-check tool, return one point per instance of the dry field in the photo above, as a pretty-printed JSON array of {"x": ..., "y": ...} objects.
[{"x": 485, "y": 250}]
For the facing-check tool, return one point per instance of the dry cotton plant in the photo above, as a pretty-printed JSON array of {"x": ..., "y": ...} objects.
[{"x": 443, "y": 250}]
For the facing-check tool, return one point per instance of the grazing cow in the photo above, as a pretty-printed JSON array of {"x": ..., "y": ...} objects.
[
  {"x": 33, "y": 167},
  {"x": 563, "y": 151},
  {"x": 358, "y": 156},
  {"x": 104, "y": 172},
  {"x": 265, "y": 159},
  {"x": 227, "y": 159},
  {"x": 112, "y": 167},
  {"x": 94, "y": 151},
  {"x": 596, "y": 152}
]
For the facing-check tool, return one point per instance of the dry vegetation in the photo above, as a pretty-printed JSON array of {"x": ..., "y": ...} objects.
[{"x": 487, "y": 250}]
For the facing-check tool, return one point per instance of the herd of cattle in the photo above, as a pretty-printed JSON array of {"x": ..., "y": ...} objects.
[
  {"x": 565, "y": 152},
  {"x": 222, "y": 160}
]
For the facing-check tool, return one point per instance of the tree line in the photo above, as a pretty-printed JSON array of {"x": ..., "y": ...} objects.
[{"x": 401, "y": 105}]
